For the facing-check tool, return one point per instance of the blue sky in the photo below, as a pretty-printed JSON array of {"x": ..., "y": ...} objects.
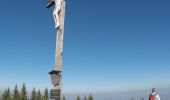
[{"x": 108, "y": 45}]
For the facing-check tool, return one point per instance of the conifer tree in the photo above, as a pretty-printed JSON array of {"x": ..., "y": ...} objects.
[
  {"x": 78, "y": 97},
  {"x": 142, "y": 98},
  {"x": 46, "y": 95},
  {"x": 85, "y": 98},
  {"x": 33, "y": 94},
  {"x": 64, "y": 98},
  {"x": 16, "y": 95},
  {"x": 6, "y": 95},
  {"x": 39, "y": 95},
  {"x": 23, "y": 94},
  {"x": 90, "y": 97}
]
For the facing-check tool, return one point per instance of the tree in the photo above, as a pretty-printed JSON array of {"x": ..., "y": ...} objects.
[
  {"x": 78, "y": 97},
  {"x": 85, "y": 98},
  {"x": 39, "y": 96},
  {"x": 46, "y": 95},
  {"x": 16, "y": 95},
  {"x": 23, "y": 94},
  {"x": 64, "y": 98},
  {"x": 90, "y": 97},
  {"x": 6, "y": 95},
  {"x": 33, "y": 94},
  {"x": 142, "y": 98}
]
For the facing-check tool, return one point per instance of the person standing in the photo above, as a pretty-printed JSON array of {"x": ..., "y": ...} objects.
[{"x": 154, "y": 95}]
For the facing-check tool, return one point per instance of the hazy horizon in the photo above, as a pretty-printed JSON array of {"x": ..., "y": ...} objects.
[{"x": 121, "y": 95}]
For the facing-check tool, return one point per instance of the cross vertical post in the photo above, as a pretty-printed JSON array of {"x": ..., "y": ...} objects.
[
  {"x": 56, "y": 74},
  {"x": 59, "y": 47}
]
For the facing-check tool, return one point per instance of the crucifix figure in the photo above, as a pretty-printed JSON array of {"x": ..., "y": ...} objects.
[{"x": 57, "y": 9}]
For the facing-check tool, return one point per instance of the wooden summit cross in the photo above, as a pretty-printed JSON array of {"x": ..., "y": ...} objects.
[{"x": 59, "y": 45}]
